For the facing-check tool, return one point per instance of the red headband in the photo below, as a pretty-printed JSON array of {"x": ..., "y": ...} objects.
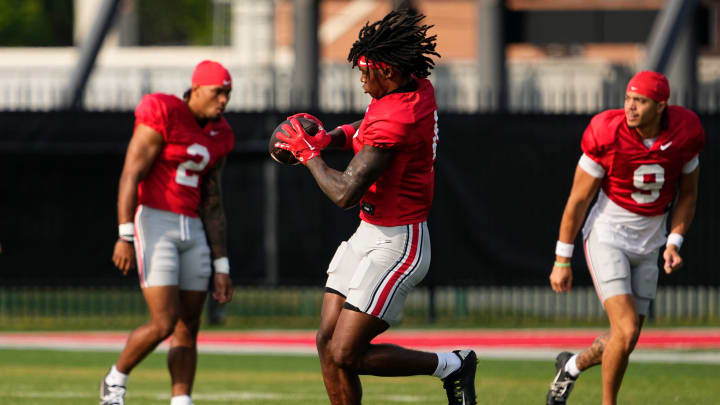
[
  {"x": 209, "y": 73},
  {"x": 363, "y": 61},
  {"x": 650, "y": 84}
]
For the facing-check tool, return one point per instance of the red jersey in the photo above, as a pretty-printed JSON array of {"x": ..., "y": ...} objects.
[
  {"x": 640, "y": 179},
  {"x": 405, "y": 122},
  {"x": 173, "y": 182}
]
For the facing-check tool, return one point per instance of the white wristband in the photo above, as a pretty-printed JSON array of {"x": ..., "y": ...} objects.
[
  {"x": 222, "y": 265},
  {"x": 564, "y": 249},
  {"x": 126, "y": 231},
  {"x": 675, "y": 239}
]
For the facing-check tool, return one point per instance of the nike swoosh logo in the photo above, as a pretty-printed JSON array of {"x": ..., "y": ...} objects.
[
  {"x": 633, "y": 88},
  {"x": 667, "y": 145},
  {"x": 213, "y": 132},
  {"x": 308, "y": 144}
]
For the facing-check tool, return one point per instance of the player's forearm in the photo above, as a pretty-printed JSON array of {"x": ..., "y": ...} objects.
[
  {"x": 683, "y": 211},
  {"x": 572, "y": 218},
  {"x": 127, "y": 198},
  {"x": 212, "y": 213},
  {"x": 213, "y": 217},
  {"x": 342, "y": 188},
  {"x": 683, "y": 214}
]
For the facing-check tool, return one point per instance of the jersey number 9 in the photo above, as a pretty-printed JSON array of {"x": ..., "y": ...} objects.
[{"x": 649, "y": 179}]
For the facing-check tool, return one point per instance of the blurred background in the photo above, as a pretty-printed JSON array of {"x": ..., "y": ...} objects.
[{"x": 517, "y": 83}]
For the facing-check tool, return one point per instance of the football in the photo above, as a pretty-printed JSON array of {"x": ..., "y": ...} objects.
[{"x": 285, "y": 156}]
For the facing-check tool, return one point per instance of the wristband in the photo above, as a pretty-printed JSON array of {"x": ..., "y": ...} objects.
[
  {"x": 561, "y": 264},
  {"x": 221, "y": 265},
  {"x": 126, "y": 231},
  {"x": 563, "y": 249},
  {"x": 675, "y": 239},
  {"x": 349, "y": 132}
]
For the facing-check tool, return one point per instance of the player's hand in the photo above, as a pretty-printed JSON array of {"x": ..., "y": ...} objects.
[
  {"x": 124, "y": 256},
  {"x": 305, "y": 147},
  {"x": 673, "y": 260},
  {"x": 311, "y": 117},
  {"x": 223, "y": 288},
  {"x": 561, "y": 279}
]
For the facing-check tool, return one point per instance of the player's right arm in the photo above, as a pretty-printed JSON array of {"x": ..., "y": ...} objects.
[
  {"x": 145, "y": 144},
  {"x": 584, "y": 188},
  {"x": 347, "y": 188}
]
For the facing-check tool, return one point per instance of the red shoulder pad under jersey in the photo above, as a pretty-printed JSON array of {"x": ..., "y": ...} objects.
[
  {"x": 388, "y": 119},
  {"x": 687, "y": 124},
  {"x": 600, "y": 134},
  {"x": 154, "y": 111}
]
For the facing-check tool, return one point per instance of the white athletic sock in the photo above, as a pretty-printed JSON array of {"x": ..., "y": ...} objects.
[
  {"x": 447, "y": 364},
  {"x": 115, "y": 377},
  {"x": 571, "y": 367},
  {"x": 181, "y": 400}
]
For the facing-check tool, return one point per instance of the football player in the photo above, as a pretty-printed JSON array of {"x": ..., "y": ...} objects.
[
  {"x": 170, "y": 185},
  {"x": 391, "y": 178},
  {"x": 644, "y": 161}
]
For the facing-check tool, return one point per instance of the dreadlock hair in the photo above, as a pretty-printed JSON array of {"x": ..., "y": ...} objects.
[{"x": 399, "y": 41}]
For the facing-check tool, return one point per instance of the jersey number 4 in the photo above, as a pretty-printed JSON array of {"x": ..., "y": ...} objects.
[
  {"x": 648, "y": 179},
  {"x": 185, "y": 175}
]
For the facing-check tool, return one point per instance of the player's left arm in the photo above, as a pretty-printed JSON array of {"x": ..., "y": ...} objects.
[
  {"x": 682, "y": 215},
  {"x": 346, "y": 188},
  {"x": 212, "y": 213}
]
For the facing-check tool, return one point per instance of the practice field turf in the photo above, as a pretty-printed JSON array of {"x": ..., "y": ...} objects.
[{"x": 29, "y": 377}]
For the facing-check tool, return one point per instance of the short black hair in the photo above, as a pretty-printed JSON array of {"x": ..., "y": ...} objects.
[{"x": 399, "y": 41}]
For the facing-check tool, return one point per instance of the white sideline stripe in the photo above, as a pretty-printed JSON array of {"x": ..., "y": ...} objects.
[
  {"x": 638, "y": 356},
  {"x": 218, "y": 396},
  {"x": 354, "y": 12},
  {"x": 641, "y": 355}
]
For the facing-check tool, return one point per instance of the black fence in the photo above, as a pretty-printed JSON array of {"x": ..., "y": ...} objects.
[{"x": 501, "y": 185}]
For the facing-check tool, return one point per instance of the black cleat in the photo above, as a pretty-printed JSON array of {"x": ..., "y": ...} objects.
[
  {"x": 460, "y": 385},
  {"x": 563, "y": 383},
  {"x": 111, "y": 394}
]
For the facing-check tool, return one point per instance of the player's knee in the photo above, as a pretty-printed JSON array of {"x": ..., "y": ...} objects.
[
  {"x": 344, "y": 357},
  {"x": 164, "y": 327},
  {"x": 628, "y": 335},
  {"x": 186, "y": 332},
  {"x": 322, "y": 339}
]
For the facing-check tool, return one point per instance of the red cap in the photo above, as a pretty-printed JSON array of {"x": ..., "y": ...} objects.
[
  {"x": 210, "y": 73},
  {"x": 650, "y": 84}
]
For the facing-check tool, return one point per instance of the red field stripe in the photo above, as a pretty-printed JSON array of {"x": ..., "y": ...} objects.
[{"x": 525, "y": 339}]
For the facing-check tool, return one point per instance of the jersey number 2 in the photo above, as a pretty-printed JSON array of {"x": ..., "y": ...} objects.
[
  {"x": 184, "y": 174},
  {"x": 649, "y": 179}
]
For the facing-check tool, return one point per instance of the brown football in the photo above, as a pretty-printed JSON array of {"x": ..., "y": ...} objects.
[{"x": 285, "y": 156}]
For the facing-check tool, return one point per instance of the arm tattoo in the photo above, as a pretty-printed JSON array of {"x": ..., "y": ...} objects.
[
  {"x": 212, "y": 212},
  {"x": 347, "y": 188}
]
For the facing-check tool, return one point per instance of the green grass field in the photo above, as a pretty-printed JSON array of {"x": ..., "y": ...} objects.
[{"x": 30, "y": 377}]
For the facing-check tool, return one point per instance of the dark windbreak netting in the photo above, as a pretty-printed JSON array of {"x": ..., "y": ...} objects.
[{"x": 501, "y": 185}]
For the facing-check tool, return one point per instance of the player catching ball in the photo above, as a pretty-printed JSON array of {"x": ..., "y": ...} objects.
[
  {"x": 170, "y": 184},
  {"x": 391, "y": 177},
  {"x": 644, "y": 160}
]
